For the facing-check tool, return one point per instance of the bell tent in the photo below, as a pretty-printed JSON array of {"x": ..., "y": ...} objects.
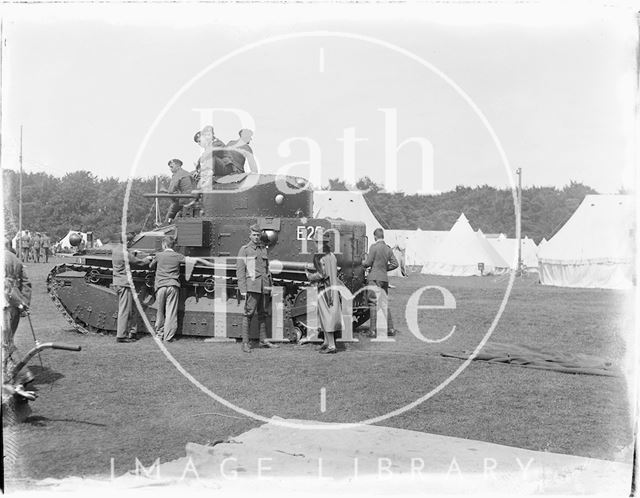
[
  {"x": 594, "y": 248},
  {"x": 462, "y": 253}
]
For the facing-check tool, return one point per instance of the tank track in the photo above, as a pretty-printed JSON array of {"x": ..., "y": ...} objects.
[{"x": 53, "y": 294}]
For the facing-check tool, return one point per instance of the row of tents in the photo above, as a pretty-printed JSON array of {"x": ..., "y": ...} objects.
[
  {"x": 593, "y": 249},
  {"x": 460, "y": 251}
]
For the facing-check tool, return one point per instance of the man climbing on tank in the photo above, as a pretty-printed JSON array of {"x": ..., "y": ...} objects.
[
  {"x": 210, "y": 163},
  {"x": 236, "y": 153},
  {"x": 181, "y": 183}
]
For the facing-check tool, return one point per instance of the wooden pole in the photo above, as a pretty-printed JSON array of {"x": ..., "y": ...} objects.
[
  {"x": 20, "y": 200},
  {"x": 519, "y": 223},
  {"x": 157, "y": 204}
]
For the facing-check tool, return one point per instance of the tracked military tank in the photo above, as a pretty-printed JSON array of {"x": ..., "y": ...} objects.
[{"x": 209, "y": 233}]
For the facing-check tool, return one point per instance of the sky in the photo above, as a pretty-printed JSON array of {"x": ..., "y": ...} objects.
[{"x": 451, "y": 94}]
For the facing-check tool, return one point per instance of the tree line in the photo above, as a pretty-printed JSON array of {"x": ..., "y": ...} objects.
[
  {"x": 544, "y": 209},
  {"x": 82, "y": 201}
]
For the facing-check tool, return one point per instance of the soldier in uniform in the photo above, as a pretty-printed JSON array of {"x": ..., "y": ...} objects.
[
  {"x": 46, "y": 243},
  {"x": 36, "y": 243},
  {"x": 209, "y": 164},
  {"x": 254, "y": 282},
  {"x": 123, "y": 288},
  {"x": 17, "y": 298},
  {"x": 234, "y": 159},
  {"x": 167, "y": 285},
  {"x": 25, "y": 239},
  {"x": 381, "y": 260},
  {"x": 181, "y": 183}
]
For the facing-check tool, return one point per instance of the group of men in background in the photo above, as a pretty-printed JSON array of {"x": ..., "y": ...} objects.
[{"x": 33, "y": 247}]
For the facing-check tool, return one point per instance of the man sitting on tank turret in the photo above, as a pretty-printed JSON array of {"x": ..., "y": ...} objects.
[
  {"x": 181, "y": 183},
  {"x": 210, "y": 163},
  {"x": 237, "y": 151}
]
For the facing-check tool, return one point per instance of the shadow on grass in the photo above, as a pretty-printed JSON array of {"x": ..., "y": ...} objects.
[
  {"x": 44, "y": 375},
  {"x": 40, "y": 421}
]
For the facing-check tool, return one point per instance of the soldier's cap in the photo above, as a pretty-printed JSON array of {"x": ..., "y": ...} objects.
[
  {"x": 175, "y": 161},
  {"x": 255, "y": 228}
]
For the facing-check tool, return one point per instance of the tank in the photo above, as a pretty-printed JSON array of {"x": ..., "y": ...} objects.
[{"x": 210, "y": 233}]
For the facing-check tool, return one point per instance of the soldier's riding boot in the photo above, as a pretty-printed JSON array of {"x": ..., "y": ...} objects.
[
  {"x": 264, "y": 342},
  {"x": 245, "y": 335}
]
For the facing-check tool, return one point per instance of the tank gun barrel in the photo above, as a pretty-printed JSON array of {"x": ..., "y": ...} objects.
[
  {"x": 274, "y": 266},
  {"x": 164, "y": 195}
]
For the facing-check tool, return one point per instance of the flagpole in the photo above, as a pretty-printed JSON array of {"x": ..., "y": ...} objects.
[
  {"x": 519, "y": 223},
  {"x": 157, "y": 205},
  {"x": 20, "y": 200}
]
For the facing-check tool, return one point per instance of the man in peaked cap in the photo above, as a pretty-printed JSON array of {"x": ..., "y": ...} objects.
[
  {"x": 181, "y": 183},
  {"x": 254, "y": 283}
]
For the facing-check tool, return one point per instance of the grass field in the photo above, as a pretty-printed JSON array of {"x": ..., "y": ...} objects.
[{"x": 127, "y": 401}]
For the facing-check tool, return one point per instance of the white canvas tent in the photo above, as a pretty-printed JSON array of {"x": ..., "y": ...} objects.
[
  {"x": 594, "y": 248},
  {"x": 542, "y": 243},
  {"x": 500, "y": 264},
  {"x": 508, "y": 250},
  {"x": 418, "y": 244},
  {"x": 460, "y": 252},
  {"x": 397, "y": 238},
  {"x": 422, "y": 245},
  {"x": 345, "y": 205}
]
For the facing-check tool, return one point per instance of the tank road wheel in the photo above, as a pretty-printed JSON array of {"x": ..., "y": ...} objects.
[
  {"x": 93, "y": 276},
  {"x": 209, "y": 285},
  {"x": 149, "y": 280},
  {"x": 295, "y": 334}
]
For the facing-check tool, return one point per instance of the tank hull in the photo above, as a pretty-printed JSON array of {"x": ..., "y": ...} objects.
[{"x": 209, "y": 234}]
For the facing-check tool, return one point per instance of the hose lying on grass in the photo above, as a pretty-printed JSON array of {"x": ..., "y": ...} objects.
[{"x": 526, "y": 356}]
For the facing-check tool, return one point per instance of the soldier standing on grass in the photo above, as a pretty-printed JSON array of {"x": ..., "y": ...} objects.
[
  {"x": 17, "y": 298},
  {"x": 254, "y": 283},
  {"x": 25, "y": 240},
  {"x": 381, "y": 260},
  {"x": 167, "y": 264},
  {"x": 36, "y": 244},
  {"x": 46, "y": 243},
  {"x": 123, "y": 288}
]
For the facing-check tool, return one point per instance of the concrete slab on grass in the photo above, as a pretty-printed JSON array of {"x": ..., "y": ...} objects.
[
  {"x": 363, "y": 459},
  {"x": 397, "y": 457}
]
